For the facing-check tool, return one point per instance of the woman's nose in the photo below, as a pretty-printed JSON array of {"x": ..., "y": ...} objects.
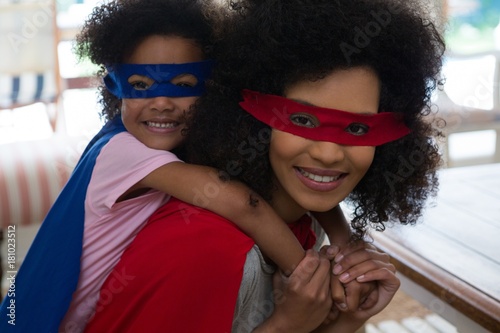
[{"x": 326, "y": 152}]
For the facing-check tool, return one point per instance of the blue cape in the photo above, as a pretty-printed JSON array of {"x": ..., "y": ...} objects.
[{"x": 41, "y": 293}]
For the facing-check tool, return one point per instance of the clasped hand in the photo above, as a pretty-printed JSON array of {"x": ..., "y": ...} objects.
[{"x": 334, "y": 290}]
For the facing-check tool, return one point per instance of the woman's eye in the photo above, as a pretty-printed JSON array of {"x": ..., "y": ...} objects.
[
  {"x": 304, "y": 120},
  {"x": 357, "y": 129}
]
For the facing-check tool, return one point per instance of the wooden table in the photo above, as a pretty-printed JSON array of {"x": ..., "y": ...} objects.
[{"x": 454, "y": 253}]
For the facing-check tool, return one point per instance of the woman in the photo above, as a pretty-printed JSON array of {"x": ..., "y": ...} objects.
[{"x": 313, "y": 102}]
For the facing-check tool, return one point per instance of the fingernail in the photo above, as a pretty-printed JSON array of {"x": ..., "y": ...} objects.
[
  {"x": 343, "y": 306},
  {"x": 339, "y": 257},
  {"x": 344, "y": 277},
  {"x": 360, "y": 278},
  {"x": 337, "y": 269},
  {"x": 332, "y": 250}
]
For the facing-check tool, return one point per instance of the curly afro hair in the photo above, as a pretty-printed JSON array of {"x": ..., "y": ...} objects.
[
  {"x": 113, "y": 30},
  {"x": 272, "y": 44}
]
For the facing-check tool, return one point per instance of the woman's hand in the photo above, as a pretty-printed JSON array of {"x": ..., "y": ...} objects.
[
  {"x": 361, "y": 262},
  {"x": 350, "y": 321},
  {"x": 348, "y": 296},
  {"x": 368, "y": 282},
  {"x": 349, "y": 264},
  {"x": 303, "y": 300}
]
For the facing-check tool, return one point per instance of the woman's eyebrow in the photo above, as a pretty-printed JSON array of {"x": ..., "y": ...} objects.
[
  {"x": 309, "y": 104},
  {"x": 301, "y": 102}
]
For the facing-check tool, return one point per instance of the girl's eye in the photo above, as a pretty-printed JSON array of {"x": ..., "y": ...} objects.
[
  {"x": 357, "y": 129},
  {"x": 185, "y": 84},
  {"x": 185, "y": 80},
  {"x": 304, "y": 120},
  {"x": 139, "y": 85},
  {"x": 139, "y": 82}
]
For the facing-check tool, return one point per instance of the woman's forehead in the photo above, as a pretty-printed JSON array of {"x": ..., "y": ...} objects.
[{"x": 355, "y": 89}]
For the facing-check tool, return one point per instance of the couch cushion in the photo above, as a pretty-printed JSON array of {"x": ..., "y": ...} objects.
[{"x": 31, "y": 176}]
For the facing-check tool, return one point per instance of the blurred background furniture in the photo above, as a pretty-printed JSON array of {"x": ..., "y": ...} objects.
[
  {"x": 32, "y": 173},
  {"x": 48, "y": 111},
  {"x": 29, "y": 65},
  {"x": 470, "y": 102}
]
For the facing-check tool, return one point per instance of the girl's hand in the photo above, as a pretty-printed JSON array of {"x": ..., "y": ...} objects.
[{"x": 302, "y": 301}]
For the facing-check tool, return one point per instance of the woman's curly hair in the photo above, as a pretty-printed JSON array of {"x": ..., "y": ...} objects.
[
  {"x": 275, "y": 43},
  {"x": 114, "y": 29}
]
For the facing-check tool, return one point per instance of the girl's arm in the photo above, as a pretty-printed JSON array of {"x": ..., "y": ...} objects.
[
  {"x": 335, "y": 225},
  {"x": 202, "y": 186},
  {"x": 339, "y": 234}
]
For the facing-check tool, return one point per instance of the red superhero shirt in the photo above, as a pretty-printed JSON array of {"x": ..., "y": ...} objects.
[{"x": 182, "y": 273}]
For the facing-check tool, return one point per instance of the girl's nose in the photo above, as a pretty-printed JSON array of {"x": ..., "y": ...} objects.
[
  {"x": 326, "y": 152},
  {"x": 163, "y": 103}
]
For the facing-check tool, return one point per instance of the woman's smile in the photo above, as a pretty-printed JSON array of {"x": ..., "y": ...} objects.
[
  {"x": 317, "y": 175},
  {"x": 320, "y": 179}
]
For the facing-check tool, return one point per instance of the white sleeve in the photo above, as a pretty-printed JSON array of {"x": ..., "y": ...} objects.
[
  {"x": 255, "y": 299},
  {"x": 321, "y": 238}
]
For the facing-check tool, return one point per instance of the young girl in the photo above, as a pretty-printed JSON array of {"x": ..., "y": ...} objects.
[
  {"x": 154, "y": 54},
  {"x": 334, "y": 94}
]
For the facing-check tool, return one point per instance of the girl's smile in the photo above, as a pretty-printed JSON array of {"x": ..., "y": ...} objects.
[
  {"x": 158, "y": 121},
  {"x": 155, "y": 125}
]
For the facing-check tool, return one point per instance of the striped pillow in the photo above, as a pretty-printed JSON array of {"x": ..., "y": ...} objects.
[
  {"x": 28, "y": 45},
  {"x": 31, "y": 176},
  {"x": 27, "y": 88}
]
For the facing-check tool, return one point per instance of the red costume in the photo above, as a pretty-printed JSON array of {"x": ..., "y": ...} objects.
[{"x": 182, "y": 273}]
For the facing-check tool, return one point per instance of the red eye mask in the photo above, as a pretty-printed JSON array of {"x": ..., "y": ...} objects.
[{"x": 345, "y": 128}]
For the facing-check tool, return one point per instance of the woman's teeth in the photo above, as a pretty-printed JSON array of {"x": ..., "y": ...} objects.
[
  {"x": 317, "y": 178},
  {"x": 161, "y": 125}
]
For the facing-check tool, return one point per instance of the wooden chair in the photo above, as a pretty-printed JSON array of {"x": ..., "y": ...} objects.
[{"x": 29, "y": 66}]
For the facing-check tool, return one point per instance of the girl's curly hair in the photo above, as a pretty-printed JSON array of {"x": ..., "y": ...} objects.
[
  {"x": 112, "y": 31},
  {"x": 272, "y": 44}
]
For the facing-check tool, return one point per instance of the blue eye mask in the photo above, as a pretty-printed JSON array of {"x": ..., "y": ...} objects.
[{"x": 162, "y": 74}]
